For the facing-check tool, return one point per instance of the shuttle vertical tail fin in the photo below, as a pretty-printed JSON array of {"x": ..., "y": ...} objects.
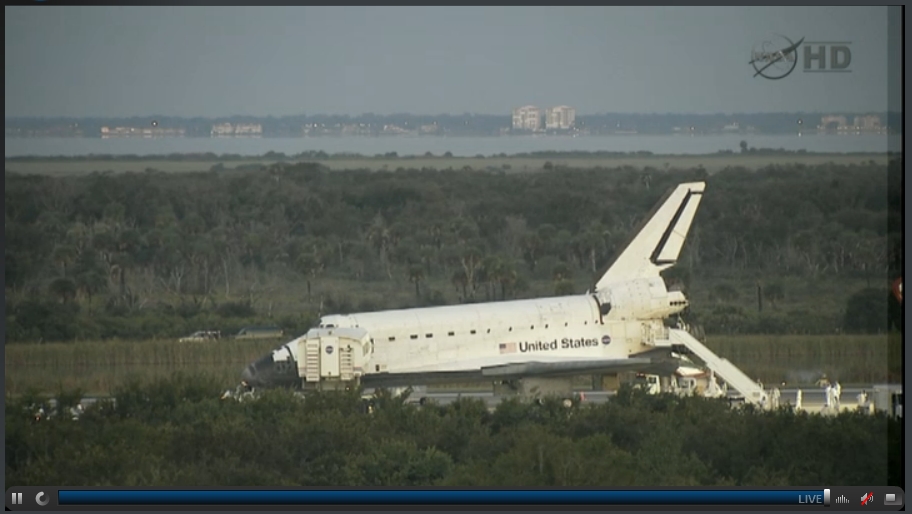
[{"x": 659, "y": 240}]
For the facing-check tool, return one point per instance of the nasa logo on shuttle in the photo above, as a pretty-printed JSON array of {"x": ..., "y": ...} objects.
[
  {"x": 606, "y": 339},
  {"x": 329, "y": 350}
]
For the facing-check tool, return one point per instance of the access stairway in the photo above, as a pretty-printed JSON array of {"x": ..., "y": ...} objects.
[{"x": 734, "y": 377}]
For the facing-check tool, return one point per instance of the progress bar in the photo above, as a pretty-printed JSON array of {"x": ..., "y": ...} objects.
[{"x": 810, "y": 497}]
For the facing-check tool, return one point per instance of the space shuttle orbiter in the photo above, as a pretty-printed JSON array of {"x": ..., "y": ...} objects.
[{"x": 544, "y": 341}]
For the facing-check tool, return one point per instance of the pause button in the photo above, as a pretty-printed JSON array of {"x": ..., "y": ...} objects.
[{"x": 17, "y": 498}]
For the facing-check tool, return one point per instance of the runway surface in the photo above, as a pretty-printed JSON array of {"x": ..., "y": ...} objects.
[
  {"x": 810, "y": 397},
  {"x": 813, "y": 399}
]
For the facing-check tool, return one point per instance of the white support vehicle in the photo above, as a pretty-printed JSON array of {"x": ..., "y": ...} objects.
[
  {"x": 651, "y": 384},
  {"x": 889, "y": 399},
  {"x": 201, "y": 336},
  {"x": 685, "y": 381}
]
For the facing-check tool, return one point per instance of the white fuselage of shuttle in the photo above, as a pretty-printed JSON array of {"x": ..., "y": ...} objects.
[{"x": 467, "y": 337}]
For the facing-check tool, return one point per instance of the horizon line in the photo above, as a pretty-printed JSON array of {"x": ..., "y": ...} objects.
[{"x": 578, "y": 114}]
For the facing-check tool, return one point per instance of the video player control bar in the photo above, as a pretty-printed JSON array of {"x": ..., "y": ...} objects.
[{"x": 811, "y": 497}]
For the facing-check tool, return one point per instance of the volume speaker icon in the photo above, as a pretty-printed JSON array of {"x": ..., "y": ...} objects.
[{"x": 842, "y": 499}]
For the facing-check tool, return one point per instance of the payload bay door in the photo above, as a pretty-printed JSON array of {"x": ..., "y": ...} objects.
[{"x": 329, "y": 357}]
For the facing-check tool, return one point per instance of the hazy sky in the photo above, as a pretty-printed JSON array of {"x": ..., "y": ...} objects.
[{"x": 219, "y": 61}]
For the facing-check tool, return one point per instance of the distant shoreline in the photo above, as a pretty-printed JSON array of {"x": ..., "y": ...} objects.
[
  {"x": 317, "y": 156},
  {"x": 407, "y": 125}
]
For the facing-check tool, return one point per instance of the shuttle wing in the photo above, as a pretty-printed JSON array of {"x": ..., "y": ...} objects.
[{"x": 523, "y": 370}]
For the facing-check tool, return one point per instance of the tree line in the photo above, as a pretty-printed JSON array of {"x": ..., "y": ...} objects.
[
  {"x": 84, "y": 253},
  {"x": 188, "y": 437}
]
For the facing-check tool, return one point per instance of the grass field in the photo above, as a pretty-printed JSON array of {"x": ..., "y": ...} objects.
[
  {"x": 799, "y": 359},
  {"x": 99, "y": 367},
  {"x": 711, "y": 162}
]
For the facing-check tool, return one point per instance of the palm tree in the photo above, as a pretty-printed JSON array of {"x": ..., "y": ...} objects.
[
  {"x": 64, "y": 288},
  {"x": 508, "y": 278},
  {"x": 471, "y": 262},
  {"x": 490, "y": 274},
  {"x": 309, "y": 264},
  {"x": 591, "y": 244},
  {"x": 92, "y": 282},
  {"x": 64, "y": 255},
  {"x": 416, "y": 275},
  {"x": 380, "y": 238},
  {"x": 460, "y": 281}
]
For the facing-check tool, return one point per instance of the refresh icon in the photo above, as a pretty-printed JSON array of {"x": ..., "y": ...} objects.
[{"x": 40, "y": 501}]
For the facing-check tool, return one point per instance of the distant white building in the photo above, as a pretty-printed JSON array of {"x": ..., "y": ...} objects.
[
  {"x": 867, "y": 122},
  {"x": 527, "y": 117},
  {"x": 109, "y": 132},
  {"x": 222, "y": 129},
  {"x": 248, "y": 129},
  {"x": 831, "y": 122},
  {"x": 239, "y": 129},
  {"x": 561, "y": 117},
  {"x": 429, "y": 129}
]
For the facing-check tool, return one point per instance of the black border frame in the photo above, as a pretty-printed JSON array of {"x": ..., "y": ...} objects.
[{"x": 896, "y": 88}]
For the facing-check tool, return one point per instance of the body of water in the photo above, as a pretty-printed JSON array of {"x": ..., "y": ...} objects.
[{"x": 458, "y": 146}]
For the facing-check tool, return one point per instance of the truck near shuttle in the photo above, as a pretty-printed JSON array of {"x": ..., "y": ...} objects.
[{"x": 528, "y": 347}]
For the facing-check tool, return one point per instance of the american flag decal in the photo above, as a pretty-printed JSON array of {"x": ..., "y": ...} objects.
[{"x": 507, "y": 347}]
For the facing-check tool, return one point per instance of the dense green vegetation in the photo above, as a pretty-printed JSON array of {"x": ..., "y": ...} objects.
[
  {"x": 787, "y": 249},
  {"x": 177, "y": 433}
]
